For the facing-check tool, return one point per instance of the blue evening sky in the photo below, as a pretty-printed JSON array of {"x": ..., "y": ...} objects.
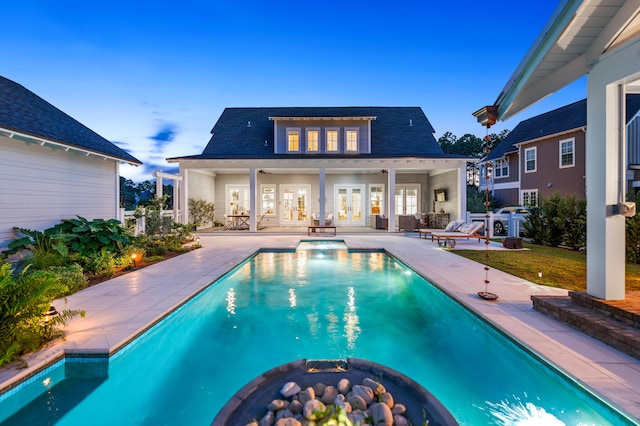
[{"x": 153, "y": 77}]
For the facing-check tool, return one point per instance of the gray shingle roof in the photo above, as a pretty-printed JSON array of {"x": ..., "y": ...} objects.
[
  {"x": 23, "y": 111},
  {"x": 559, "y": 120},
  {"x": 392, "y": 136}
]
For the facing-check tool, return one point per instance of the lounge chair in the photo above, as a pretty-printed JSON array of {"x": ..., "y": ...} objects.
[{"x": 468, "y": 230}]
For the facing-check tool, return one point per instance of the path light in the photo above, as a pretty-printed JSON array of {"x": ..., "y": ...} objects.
[
  {"x": 198, "y": 241},
  {"x": 52, "y": 312},
  {"x": 134, "y": 257}
]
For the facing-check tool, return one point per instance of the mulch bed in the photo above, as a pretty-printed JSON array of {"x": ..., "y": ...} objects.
[{"x": 93, "y": 280}]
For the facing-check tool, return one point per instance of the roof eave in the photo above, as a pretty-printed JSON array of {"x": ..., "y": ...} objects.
[
  {"x": 45, "y": 141},
  {"x": 513, "y": 90}
]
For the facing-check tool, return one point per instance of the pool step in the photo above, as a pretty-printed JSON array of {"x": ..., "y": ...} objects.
[{"x": 611, "y": 325}]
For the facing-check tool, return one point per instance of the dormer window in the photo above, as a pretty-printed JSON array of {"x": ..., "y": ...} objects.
[
  {"x": 332, "y": 140},
  {"x": 351, "y": 140},
  {"x": 293, "y": 140},
  {"x": 313, "y": 137}
]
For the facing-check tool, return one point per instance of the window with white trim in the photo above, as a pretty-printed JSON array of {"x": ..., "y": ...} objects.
[
  {"x": 312, "y": 140},
  {"x": 351, "y": 140},
  {"x": 268, "y": 199},
  {"x": 530, "y": 197},
  {"x": 332, "y": 140},
  {"x": 501, "y": 168},
  {"x": 530, "y": 160},
  {"x": 293, "y": 140},
  {"x": 567, "y": 156}
]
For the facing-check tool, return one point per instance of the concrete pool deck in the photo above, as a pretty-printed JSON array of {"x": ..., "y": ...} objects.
[{"x": 120, "y": 309}]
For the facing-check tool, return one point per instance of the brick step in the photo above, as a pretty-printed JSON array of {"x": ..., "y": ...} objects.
[
  {"x": 626, "y": 311},
  {"x": 600, "y": 326}
]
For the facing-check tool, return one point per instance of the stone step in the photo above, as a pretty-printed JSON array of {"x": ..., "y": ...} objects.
[{"x": 601, "y": 326}]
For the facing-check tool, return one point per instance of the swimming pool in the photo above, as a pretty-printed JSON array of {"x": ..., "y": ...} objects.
[{"x": 326, "y": 304}]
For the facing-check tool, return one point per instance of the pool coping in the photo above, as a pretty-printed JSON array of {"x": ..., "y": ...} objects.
[{"x": 120, "y": 309}]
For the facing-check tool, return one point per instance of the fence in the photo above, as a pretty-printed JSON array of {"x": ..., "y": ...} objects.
[
  {"x": 511, "y": 220},
  {"x": 139, "y": 222}
]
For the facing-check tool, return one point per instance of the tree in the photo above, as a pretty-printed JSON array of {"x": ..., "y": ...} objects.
[{"x": 128, "y": 191}]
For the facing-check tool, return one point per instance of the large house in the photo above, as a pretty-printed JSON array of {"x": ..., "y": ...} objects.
[
  {"x": 283, "y": 166},
  {"x": 51, "y": 166},
  {"x": 546, "y": 154}
]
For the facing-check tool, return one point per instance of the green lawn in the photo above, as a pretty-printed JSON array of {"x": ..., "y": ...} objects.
[{"x": 560, "y": 267}]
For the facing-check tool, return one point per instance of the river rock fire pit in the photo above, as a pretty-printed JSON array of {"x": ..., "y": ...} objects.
[{"x": 268, "y": 392}]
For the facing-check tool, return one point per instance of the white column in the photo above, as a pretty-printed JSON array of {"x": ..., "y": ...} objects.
[
  {"x": 322, "y": 198},
  {"x": 184, "y": 196},
  {"x": 605, "y": 230},
  {"x": 462, "y": 189},
  {"x": 253, "y": 223},
  {"x": 158, "y": 185},
  {"x": 176, "y": 200},
  {"x": 391, "y": 196}
]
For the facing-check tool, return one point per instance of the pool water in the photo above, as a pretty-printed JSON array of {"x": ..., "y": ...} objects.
[{"x": 282, "y": 306}]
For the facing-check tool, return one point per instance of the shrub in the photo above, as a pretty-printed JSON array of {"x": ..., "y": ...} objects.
[
  {"x": 201, "y": 212},
  {"x": 72, "y": 276},
  {"x": 632, "y": 225},
  {"x": 24, "y": 299},
  {"x": 88, "y": 238},
  {"x": 534, "y": 225}
]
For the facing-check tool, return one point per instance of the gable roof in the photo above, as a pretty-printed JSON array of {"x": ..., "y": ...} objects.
[
  {"x": 395, "y": 132},
  {"x": 568, "y": 117},
  {"x": 24, "y": 112}
]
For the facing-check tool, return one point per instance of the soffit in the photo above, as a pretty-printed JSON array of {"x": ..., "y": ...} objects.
[{"x": 577, "y": 35}]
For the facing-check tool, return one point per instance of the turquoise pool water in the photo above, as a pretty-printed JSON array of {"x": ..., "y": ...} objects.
[{"x": 314, "y": 304}]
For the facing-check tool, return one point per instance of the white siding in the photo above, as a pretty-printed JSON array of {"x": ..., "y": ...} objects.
[{"x": 40, "y": 185}]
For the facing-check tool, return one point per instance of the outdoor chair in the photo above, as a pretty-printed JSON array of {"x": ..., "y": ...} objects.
[
  {"x": 467, "y": 230},
  {"x": 228, "y": 223}
]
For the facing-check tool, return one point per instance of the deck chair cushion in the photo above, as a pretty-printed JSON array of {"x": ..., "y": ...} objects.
[{"x": 454, "y": 225}]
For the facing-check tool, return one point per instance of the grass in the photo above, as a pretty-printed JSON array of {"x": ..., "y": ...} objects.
[{"x": 560, "y": 268}]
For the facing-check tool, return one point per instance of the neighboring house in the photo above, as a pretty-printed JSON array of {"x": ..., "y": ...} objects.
[
  {"x": 51, "y": 166},
  {"x": 546, "y": 154},
  {"x": 283, "y": 165}
]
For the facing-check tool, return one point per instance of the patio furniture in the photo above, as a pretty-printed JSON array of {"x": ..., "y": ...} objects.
[
  {"x": 313, "y": 228},
  {"x": 468, "y": 230},
  {"x": 379, "y": 222}
]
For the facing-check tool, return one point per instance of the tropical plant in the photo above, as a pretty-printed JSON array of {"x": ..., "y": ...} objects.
[
  {"x": 88, "y": 238},
  {"x": 24, "y": 300}
]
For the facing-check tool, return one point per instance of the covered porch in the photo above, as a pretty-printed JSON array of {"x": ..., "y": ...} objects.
[{"x": 288, "y": 194}]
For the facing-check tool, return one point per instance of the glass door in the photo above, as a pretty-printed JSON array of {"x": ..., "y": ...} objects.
[
  {"x": 295, "y": 205},
  {"x": 349, "y": 201},
  {"x": 407, "y": 199}
]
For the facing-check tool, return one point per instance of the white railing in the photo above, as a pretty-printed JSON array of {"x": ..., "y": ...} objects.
[{"x": 139, "y": 226}]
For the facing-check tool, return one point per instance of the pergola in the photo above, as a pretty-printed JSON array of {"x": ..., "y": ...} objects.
[{"x": 600, "y": 39}]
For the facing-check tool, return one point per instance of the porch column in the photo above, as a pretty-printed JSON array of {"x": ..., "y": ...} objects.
[
  {"x": 322, "y": 199},
  {"x": 605, "y": 229},
  {"x": 253, "y": 227},
  {"x": 391, "y": 196},
  {"x": 184, "y": 197},
  {"x": 462, "y": 189}
]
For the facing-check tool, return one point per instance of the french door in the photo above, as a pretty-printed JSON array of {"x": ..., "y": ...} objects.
[
  {"x": 407, "y": 199},
  {"x": 295, "y": 200},
  {"x": 349, "y": 202}
]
